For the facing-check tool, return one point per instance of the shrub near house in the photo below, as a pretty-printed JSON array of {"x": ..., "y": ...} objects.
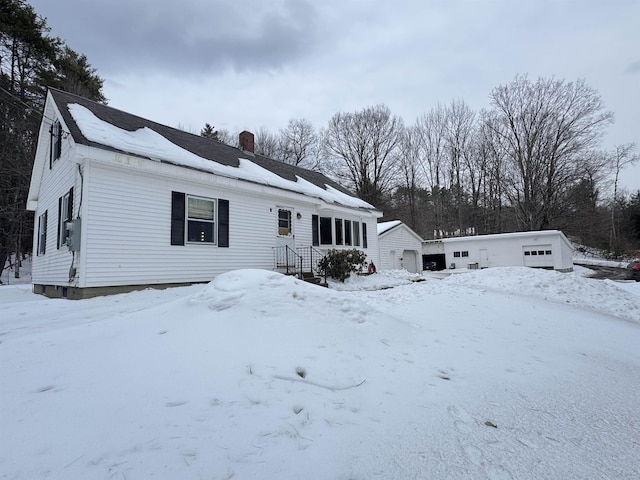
[{"x": 339, "y": 264}]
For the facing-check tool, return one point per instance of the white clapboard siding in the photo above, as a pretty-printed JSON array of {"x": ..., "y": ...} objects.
[
  {"x": 508, "y": 249},
  {"x": 127, "y": 224},
  {"x": 392, "y": 245},
  {"x": 53, "y": 267}
]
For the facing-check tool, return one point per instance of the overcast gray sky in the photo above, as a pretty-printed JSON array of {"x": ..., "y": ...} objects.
[{"x": 246, "y": 64}]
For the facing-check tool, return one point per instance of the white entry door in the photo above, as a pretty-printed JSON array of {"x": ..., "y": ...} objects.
[
  {"x": 484, "y": 258},
  {"x": 410, "y": 261},
  {"x": 284, "y": 228}
]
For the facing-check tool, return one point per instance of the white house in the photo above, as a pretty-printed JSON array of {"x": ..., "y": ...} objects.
[
  {"x": 400, "y": 247},
  {"x": 123, "y": 203},
  {"x": 543, "y": 249}
]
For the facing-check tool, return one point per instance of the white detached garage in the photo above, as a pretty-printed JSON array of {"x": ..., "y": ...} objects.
[
  {"x": 400, "y": 247},
  {"x": 541, "y": 249}
]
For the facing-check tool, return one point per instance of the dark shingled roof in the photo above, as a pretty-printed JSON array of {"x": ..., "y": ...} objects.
[{"x": 201, "y": 146}]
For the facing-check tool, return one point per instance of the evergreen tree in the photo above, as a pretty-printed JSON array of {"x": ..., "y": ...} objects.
[{"x": 30, "y": 60}]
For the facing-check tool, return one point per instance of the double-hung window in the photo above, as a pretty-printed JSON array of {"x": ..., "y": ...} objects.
[
  {"x": 347, "y": 233},
  {"x": 326, "y": 235},
  {"x": 201, "y": 221},
  {"x": 197, "y": 219},
  {"x": 339, "y": 236},
  {"x": 42, "y": 233},
  {"x": 65, "y": 214},
  {"x": 356, "y": 234},
  {"x": 56, "y": 142}
]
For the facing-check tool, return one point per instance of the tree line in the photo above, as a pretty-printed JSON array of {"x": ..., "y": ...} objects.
[
  {"x": 531, "y": 160},
  {"x": 30, "y": 60}
]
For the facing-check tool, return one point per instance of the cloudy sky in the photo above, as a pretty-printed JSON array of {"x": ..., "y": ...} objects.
[{"x": 247, "y": 64}]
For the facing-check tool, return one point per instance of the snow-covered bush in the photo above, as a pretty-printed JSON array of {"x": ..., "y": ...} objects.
[{"x": 339, "y": 264}]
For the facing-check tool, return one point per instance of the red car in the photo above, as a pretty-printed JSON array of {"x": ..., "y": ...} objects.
[{"x": 633, "y": 270}]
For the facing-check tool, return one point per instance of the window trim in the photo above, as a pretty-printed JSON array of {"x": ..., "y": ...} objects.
[
  {"x": 65, "y": 215},
  {"x": 339, "y": 226},
  {"x": 56, "y": 142},
  {"x": 326, "y": 238},
  {"x": 42, "y": 233},
  {"x": 348, "y": 239},
  {"x": 356, "y": 233},
  {"x": 193, "y": 220}
]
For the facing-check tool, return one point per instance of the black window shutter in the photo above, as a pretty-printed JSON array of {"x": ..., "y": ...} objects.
[
  {"x": 315, "y": 234},
  {"x": 58, "y": 151},
  {"x": 223, "y": 223},
  {"x": 177, "y": 218},
  {"x": 364, "y": 235},
  {"x": 44, "y": 235},
  {"x": 51, "y": 147},
  {"x": 70, "y": 210},
  {"x": 39, "y": 235},
  {"x": 60, "y": 220}
]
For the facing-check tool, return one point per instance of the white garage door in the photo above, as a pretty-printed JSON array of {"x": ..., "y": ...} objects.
[
  {"x": 538, "y": 256},
  {"x": 409, "y": 261}
]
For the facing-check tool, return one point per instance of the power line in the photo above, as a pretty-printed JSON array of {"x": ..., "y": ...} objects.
[
  {"x": 17, "y": 102},
  {"x": 29, "y": 110}
]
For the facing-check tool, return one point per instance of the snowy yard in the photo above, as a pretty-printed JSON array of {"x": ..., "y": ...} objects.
[{"x": 506, "y": 373}]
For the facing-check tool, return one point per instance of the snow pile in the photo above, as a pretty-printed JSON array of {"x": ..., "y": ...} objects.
[
  {"x": 259, "y": 375},
  {"x": 150, "y": 144},
  {"x": 604, "y": 296}
]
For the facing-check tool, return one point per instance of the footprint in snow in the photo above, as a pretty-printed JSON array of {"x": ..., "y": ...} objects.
[
  {"x": 459, "y": 413},
  {"x": 462, "y": 420}
]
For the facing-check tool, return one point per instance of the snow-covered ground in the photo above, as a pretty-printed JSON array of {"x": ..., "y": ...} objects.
[{"x": 499, "y": 373}]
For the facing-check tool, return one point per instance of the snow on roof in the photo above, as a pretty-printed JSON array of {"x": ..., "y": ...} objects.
[
  {"x": 150, "y": 144},
  {"x": 386, "y": 226},
  {"x": 499, "y": 235}
]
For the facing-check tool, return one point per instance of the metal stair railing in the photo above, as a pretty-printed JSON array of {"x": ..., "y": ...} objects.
[
  {"x": 311, "y": 261},
  {"x": 285, "y": 257}
]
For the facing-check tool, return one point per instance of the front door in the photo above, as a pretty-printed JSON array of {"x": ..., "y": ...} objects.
[{"x": 285, "y": 236}]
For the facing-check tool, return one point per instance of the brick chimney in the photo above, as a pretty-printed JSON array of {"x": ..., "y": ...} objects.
[{"x": 246, "y": 141}]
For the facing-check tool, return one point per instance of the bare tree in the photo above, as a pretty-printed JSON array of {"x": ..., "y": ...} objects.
[
  {"x": 409, "y": 156},
  {"x": 431, "y": 128},
  {"x": 268, "y": 144},
  {"x": 228, "y": 138},
  {"x": 547, "y": 127},
  {"x": 364, "y": 143},
  {"x": 299, "y": 143},
  {"x": 459, "y": 138},
  {"x": 491, "y": 147},
  {"x": 623, "y": 156}
]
